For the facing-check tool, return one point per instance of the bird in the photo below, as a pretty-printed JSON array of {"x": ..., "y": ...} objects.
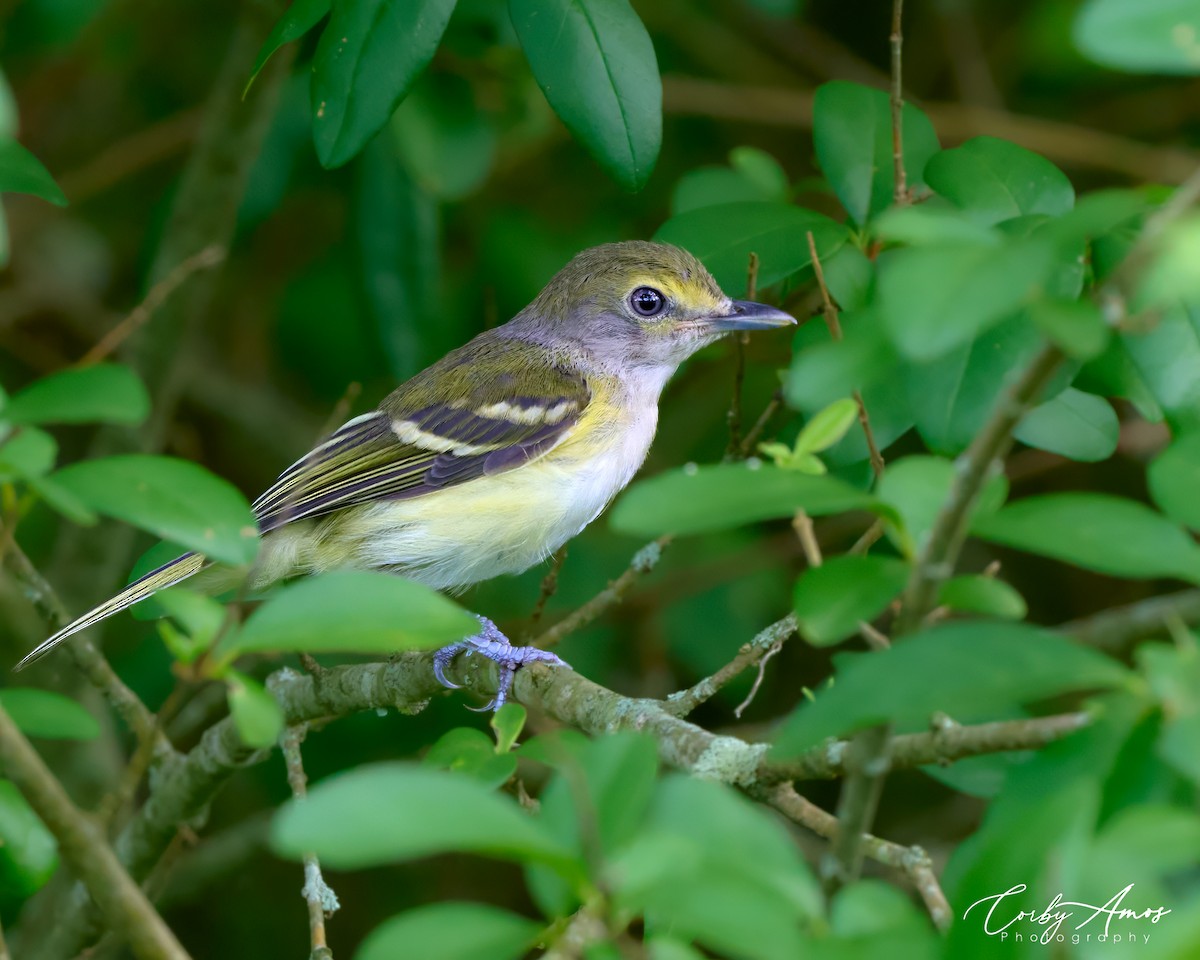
[{"x": 488, "y": 461}]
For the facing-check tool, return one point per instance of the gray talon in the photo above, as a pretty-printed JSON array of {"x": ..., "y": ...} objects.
[{"x": 494, "y": 645}]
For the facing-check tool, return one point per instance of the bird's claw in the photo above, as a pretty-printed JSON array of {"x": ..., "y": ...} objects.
[{"x": 494, "y": 645}]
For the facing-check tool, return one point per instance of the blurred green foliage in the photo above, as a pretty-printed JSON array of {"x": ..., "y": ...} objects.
[{"x": 428, "y": 166}]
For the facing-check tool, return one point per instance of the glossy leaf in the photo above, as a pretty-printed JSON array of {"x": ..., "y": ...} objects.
[
  {"x": 832, "y": 599},
  {"x": 173, "y": 499},
  {"x": 827, "y": 426},
  {"x": 507, "y": 724},
  {"x": 351, "y": 611},
  {"x": 104, "y": 393},
  {"x": 917, "y": 486},
  {"x": 1098, "y": 532},
  {"x": 956, "y": 668},
  {"x": 724, "y": 236},
  {"x": 993, "y": 180},
  {"x": 471, "y": 752},
  {"x": 296, "y": 21},
  {"x": 366, "y": 60},
  {"x": 22, "y": 172},
  {"x": 1174, "y": 478},
  {"x": 256, "y": 715},
  {"x": 1076, "y": 425},
  {"x": 27, "y": 453},
  {"x": 752, "y": 175},
  {"x": 451, "y": 931},
  {"x": 935, "y": 298},
  {"x": 986, "y": 596},
  {"x": 1143, "y": 36},
  {"x": 852, "y": 135},
  {"x": 1077, "y": 326},
  {"x": 28, "y": 851},
  {"x": 41, "y": 713},
  {"x": 595, "y": 63},
  {"x": 387, "y": 812},
  {"x": 725, "y": 496},
  {"x": 1167, "y": 358}
]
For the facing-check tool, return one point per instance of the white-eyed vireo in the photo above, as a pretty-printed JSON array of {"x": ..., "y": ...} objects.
[{"x": 492, "y": 458}]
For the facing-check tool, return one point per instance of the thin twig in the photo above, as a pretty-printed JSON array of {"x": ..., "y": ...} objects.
[
  {"x": 82, "y": 846},
  {"x": 758, "y": 678},
  {"x": 773, "y": 407},
  {"x": 896, "y": 43},
  {"x": 803, "y": 525},
  {"x": 549, "y": 585},
  {"x": 141, "y": 314},
  {"x": 829, "y": 311},
  {"x": 318, "y": 895},
  {"x": 642, "y": 563},
  {"x": 1116, "y": 630},
  {"x": 739, "y": 367},
  {"x": 913, "y": 861},
  {"x": 765, "y": 644}
]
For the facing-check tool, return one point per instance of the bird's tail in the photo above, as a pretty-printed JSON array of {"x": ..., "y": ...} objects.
[{"x": 168, "y": 574}]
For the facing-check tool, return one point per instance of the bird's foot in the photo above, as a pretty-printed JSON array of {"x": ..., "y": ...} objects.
[{"x": 494, "y": 645}]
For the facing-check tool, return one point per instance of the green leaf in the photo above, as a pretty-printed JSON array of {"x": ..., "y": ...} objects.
[
  {"x": 1168, "y": 357},
  {"x": 1074, "y": 424},
  {"x": 386, "y": 812},
  {"x": 173, "y": 499},
  {"x": 27, "y": 453},
  {"x": 724, "y": 236},
  {"x": 986, "y": 596},
  {"x": 443, "y": 138},
  {"x": 296, "y": 21},
  {"x": 344, "y": 611},
  {"x": 1077, "y": 326},
  {"x": 827, "y": 427},
  {"x": 471, "y": 752},
  {"x": 936, "y": 297},
  {"x": 1141, "y": 36},
  {"x": 916, "y": 487},
  {"x": 752, "y": 175},
  {"x": 1095, "y": 531},
  {"x": 994, "y": 180},
  {"x": 927, "y": 223},
  {"x": 703, "y": 499},
  {"x": 956, "y": 668},
  {"x": 22, "y": 172},
  {"x": 367, "y": 58},
  {"x": 40, "y": 713},
  {"x": 507, "y": 723},
  {"x": 852, "y": 135},
  {"x": 28, "y": 851},
  {"x": 1174, "y": 478},
  {"x": 595, "y": 63},
  {"x": 1171, "y": 274},
  {"x": 451, "y": 931},
  {"x": 104, "y": 393},
  {"x": 952, "y": 397},
  {"x": 69, "y": 505},
  {"x": 201, "y": 617},
  {"x": 256, "y": 714},
  {"x": 832, "y": 599}
]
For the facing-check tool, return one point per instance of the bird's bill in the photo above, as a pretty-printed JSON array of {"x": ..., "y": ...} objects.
[{"x": 748, "y": 315}]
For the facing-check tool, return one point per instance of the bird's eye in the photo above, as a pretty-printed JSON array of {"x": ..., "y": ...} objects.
[{"x": 647, "y": 302}]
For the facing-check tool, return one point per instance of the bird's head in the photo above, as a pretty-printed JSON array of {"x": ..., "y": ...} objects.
[{"x": 641, "y": 304}]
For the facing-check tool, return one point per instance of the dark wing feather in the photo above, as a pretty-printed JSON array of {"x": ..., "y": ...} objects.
[{"x": 440, "y": 429}]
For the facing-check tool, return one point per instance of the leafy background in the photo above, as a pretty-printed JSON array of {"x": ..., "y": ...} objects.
[{"x": 372, "y": 238}]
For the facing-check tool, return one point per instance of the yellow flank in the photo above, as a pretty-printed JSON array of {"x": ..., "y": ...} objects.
[{"x": 491, "y": 525}]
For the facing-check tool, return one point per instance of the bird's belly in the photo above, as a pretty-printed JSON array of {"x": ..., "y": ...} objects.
[{"x": 481, "y": 529}]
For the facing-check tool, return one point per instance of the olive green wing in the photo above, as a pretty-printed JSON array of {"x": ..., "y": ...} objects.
[{"x": 485, "y": 409}]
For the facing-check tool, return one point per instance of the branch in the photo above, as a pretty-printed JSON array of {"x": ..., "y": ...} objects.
[
  {"x": 757, "y": 650},
  {"x": 913, "y": 861},
  {"x": 82, "y": 846},
  {"x": 1115, "y": 631},
  {"x": 1065, "y": 143},
  {"x": 896, "y": 100},
  {"x": 318, "y": 895},
  {"x": 642, "y": 563}
]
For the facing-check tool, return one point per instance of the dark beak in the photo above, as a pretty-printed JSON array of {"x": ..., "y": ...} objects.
[{"x": 748, "y": 315}]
